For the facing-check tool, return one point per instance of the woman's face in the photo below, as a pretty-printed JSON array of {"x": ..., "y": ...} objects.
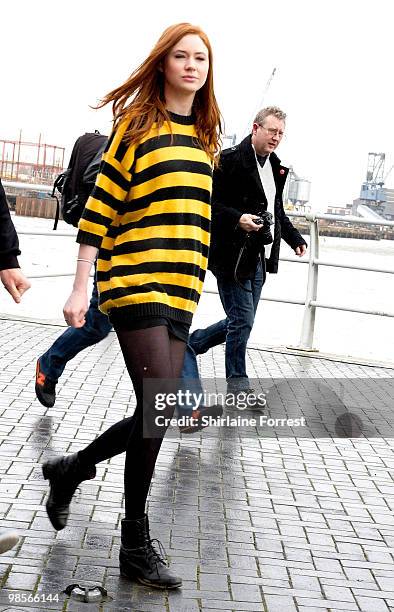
[{"x": 186, "y": 66}]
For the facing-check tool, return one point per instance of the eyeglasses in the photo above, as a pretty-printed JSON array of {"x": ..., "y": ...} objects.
[{"x": 272, "y": 131}]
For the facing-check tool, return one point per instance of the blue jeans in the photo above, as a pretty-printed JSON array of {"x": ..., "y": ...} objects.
[
  {"x": 240, "y": 307},
  {"x": 74, "y": 340},
  {"x": 200, "y": 341}
]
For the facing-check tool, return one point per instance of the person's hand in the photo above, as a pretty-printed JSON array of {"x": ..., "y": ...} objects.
[
  {"x": 246, "y": 223},
  {"x": 15, "y": 282},
  {"x": 75, "y": 308},
  {"x": 300, "y": 250}
]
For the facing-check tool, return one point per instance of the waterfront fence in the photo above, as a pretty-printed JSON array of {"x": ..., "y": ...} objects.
[{"x": 311, "y": 301}]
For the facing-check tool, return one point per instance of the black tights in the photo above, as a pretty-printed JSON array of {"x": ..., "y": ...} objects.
[{"x": 148, "y": 353}]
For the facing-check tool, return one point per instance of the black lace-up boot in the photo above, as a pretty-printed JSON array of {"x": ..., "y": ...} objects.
[
  {"x": 138, "y": 559},
  {"x": 64, "y": 474}
]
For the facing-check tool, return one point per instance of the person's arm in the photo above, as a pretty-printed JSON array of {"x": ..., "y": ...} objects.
[
  {"x": 101, "y": 211},
  {"x": 9, "y": 244},
  {"x": 13, "y": 280},
  {"x": 291, "y": 235},
  {"x": 77, "y": 304}
]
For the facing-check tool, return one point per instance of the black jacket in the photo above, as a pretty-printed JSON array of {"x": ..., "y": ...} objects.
[
  {"x": 237, "y": 190},
  {"x": 9, "y": 245}
]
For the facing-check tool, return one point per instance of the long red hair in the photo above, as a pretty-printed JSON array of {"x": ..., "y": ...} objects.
[{"x": 141, "y": 101}]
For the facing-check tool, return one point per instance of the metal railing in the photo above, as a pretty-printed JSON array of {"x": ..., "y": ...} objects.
[
  {"x": 27, "y": 186},
  {"x": 311, "y": 302}
]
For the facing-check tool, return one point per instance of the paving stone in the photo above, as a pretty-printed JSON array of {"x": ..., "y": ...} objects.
[
  {"x": 338, "y": 593},
  {"x": 359, "y": 574},
  {"x": 19, "y": 580},
  {"x": 326, "y": 604},
  {"x": 386, "y": 583},
  {"x": 183, "y": 605},
  {"x": 280, "y": 603},
  {"x": 327, "y": 565},
  {"x": 378, "y": 594},
  {"x": 242, "y": 592},
  {"x": 214, "y": 581},
  {"x": 236, "y": 606},
  {"x": 369, "y": 604},
  {"x": 306, "y": 582}
]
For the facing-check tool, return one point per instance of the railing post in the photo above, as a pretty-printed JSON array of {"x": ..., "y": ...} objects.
[{"x": 308, "y": 323}]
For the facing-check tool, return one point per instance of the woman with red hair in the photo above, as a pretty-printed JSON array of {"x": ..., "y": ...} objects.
[{"x": 148, "y": 218}]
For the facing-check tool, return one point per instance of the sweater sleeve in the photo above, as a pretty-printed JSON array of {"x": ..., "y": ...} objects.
[
  {"x": 290, "y": 234},
  {"x": 109, "y": 192},
  {"x": 9, "y": 244}
]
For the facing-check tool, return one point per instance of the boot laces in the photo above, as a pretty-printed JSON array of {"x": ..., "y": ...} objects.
[{"x": 159, "y": 556}]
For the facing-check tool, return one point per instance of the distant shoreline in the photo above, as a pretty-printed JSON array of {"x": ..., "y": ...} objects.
[{"x": 344, "y": 231}]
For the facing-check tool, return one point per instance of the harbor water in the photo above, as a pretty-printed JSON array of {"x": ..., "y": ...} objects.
[{"x": 369, "y": 337}]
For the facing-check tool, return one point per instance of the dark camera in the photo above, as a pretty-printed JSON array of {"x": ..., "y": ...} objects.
[{"x": 266, "y": 220}]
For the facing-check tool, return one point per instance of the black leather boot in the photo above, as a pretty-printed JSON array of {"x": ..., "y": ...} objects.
[
  {"x": 139, "y": 561},
  {"x": 64, "y": 475}
]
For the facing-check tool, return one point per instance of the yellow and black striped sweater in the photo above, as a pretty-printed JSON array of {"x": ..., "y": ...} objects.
[{"x": 149, "y": 215}]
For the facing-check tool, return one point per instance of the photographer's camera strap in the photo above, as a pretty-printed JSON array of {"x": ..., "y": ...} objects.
[
  {"x": 237, "y": 264},
  {"x": 268, "y": 183}
]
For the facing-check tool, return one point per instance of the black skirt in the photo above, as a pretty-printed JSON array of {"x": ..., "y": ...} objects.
[{"x": 176, "y": 328}]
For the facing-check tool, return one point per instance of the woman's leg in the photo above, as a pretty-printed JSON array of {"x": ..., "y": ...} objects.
[
  {"x": 149, "y": 354},
  {"x": 114, "y": 440}
]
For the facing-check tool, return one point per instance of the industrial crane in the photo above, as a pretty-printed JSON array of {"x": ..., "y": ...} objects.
[{"x": 267, "y": 86}]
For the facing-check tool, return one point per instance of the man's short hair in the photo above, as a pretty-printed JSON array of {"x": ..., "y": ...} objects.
[{"x": 269, "y": 110}]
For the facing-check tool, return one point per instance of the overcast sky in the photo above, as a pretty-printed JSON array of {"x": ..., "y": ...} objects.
[{"x": 333, "y": 60}]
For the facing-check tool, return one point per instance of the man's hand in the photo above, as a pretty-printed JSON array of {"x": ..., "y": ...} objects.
[
  {"x": 75, "y": 308},
  {"x": 300, "y": 250},
  {"x": 246, "y": 223},
  {"x": 15, "y": 282}
]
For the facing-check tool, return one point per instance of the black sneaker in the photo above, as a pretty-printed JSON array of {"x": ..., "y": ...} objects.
[
  {"x": 245, "y": 399},
  {"x": 197, "y": 415},
  {"x": 45, "y": 388}
]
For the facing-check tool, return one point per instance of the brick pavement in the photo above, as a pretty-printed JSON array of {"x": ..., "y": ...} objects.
[{"x": 251, "y": 522}]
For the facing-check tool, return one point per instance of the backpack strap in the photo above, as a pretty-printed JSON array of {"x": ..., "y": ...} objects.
[
  {"x": 57, "y": 213},
  {"x": 58, "y": 184}
]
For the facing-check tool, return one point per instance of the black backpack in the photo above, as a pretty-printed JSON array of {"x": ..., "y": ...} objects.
[{"x": 77, "y": 182}]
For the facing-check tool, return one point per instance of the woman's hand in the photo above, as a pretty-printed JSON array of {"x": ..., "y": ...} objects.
[
  {"x": 77, "y": 304},
  {"x": 75, "y": 308}
]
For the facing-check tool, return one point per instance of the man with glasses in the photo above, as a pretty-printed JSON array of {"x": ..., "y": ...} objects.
[{"x": 248, "y": 222}]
